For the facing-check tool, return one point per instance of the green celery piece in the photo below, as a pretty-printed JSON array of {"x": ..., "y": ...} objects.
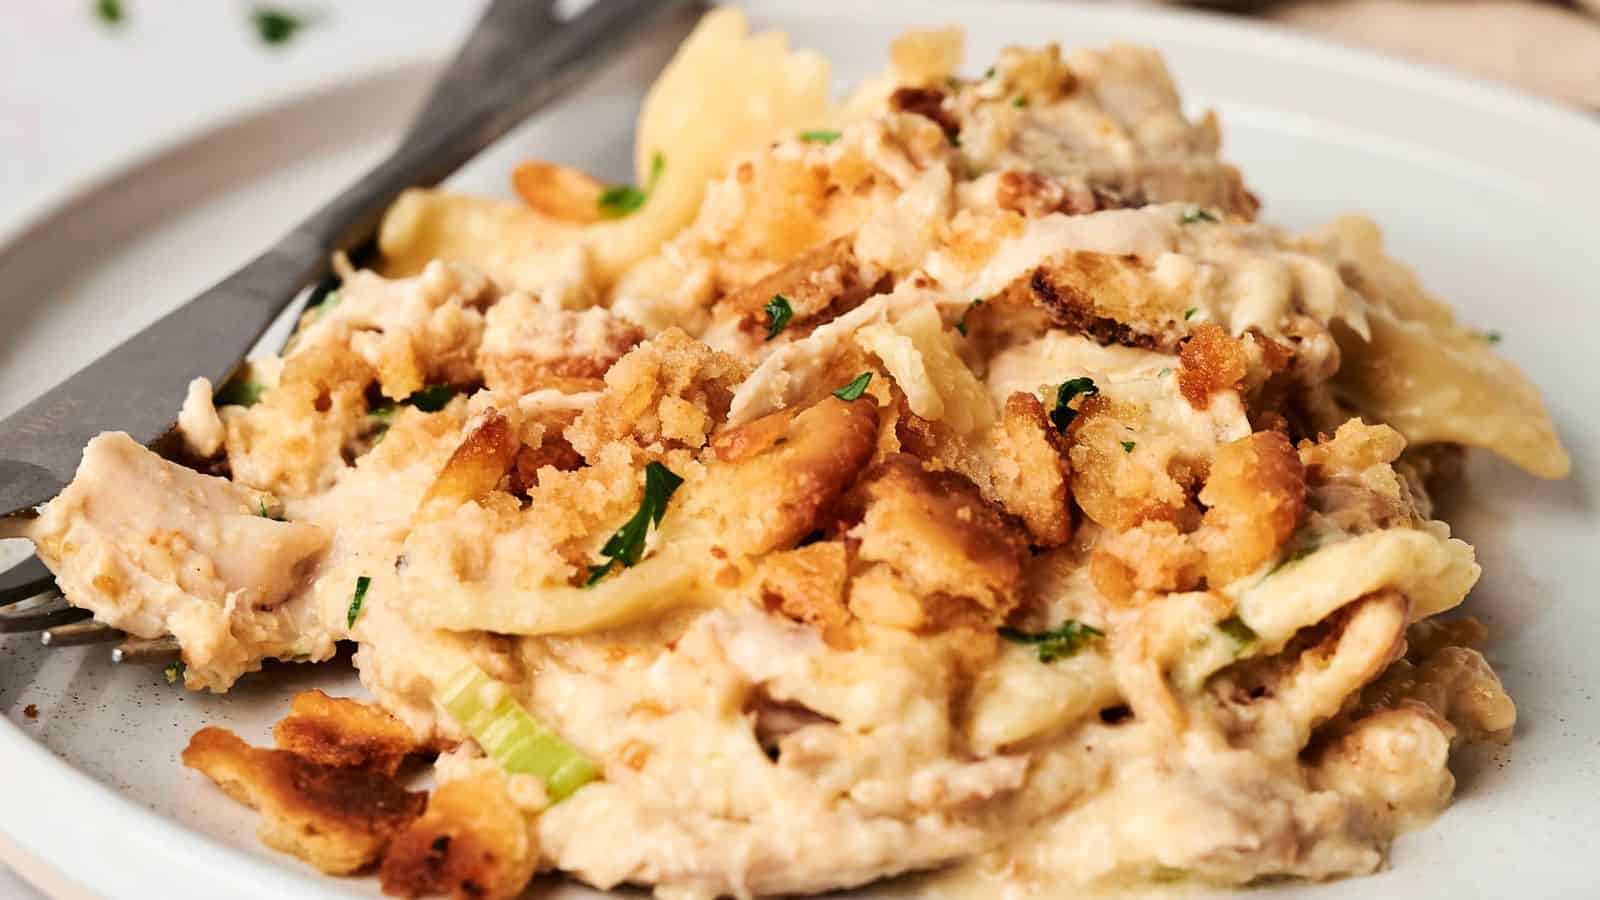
[{"x": 512, "y": 737}]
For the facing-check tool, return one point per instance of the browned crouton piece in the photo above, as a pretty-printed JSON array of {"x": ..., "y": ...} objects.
[
  {"x": 473, "y": 843},
  {"x": 1029, "y": 472},
  {"x": 1154, "y": 557},
  {"x": 1111, "y": 299},
  {"x": 1211, "y": 362},
  {"x": 528, "y": 345},
  {"x": 1255, "y": 495},
  {"x": 1116, "y": 488},
  {"x": 807, "y": 585},
  {"x": 819, "y": 284},
  {"x": 774, "y": 498},
  {"x": 339, "y": 731},
  {"x": 669, "y": 392},
  {"x": 934, "y": 539},
  {"x": 478, "y": 464},
  {"x": 337, "y": 819}
]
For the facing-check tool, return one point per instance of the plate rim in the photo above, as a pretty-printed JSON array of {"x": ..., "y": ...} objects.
[{"x": 55, "y": 797}]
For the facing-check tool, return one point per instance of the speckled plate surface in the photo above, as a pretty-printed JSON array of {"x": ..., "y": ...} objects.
[{"x": 1492, "y": 196}]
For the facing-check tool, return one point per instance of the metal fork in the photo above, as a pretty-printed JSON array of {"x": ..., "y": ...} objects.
[{"x": 519, "y": 57}]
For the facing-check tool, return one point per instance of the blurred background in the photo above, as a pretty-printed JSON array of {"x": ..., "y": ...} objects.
[{"x": 73, "y": 72}]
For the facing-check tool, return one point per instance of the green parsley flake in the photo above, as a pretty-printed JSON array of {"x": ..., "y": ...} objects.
[
  {"x": 621, "y": 200},
  {"x": 1020, "y": 101},
  {"x": 1189, "y": 313},
  {"x": 174, "y": 671},
  {"x": 360, "y": 597},
  {"x": 1164, "y": 373},
  {"x": 328, "y": 305},
  {"x": 275, "y": 25},
  {"x": 626, "y": 545},
  {"x": 989, "y": 72},
  {"x": 1199, "y": 215},
  {"x": 1063, "y": 414},
  {"x": 853, "y": 391},
  {"x": 1234, "y": 627},
  {"x": 820, "y": 136},
  {"x": 961, "y": 325},
  {"x": 955, "y": 139},
  {"x": 109, "y": 11},
  {"x": 1127, "y": 446},
  {"x": 1488, "y": 337},
  {"x": 261, "y": 510},
  {"x": 240, "y": 392},
  {"x": 1303, "y": 551},
  {"x": 1057, "y": 644},
  {"x": 432, "y": 398},
  {"x": 779, "y": 312}
]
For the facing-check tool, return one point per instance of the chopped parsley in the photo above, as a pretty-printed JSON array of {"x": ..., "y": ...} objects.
[
  {"x": 1127, "y": 446},
  {"x": 1059, "y": 643},
  {"x": 961, "y": 325},
  {"x": 626, "y": 545},
  {"x": 275, "y": 25},
  {"x": 1488, "y": 337},
  {"x": 1020, "y": 101},
  {"x": 261, "y": 510},
  {"x": 621, "y": 200},
  {"x": 328, "y": 305},
  {"x": 779, "y": 312},
  {"x": 1303, "y": 551},
  {"x": 1189, "y": 313},
  {"x": 240, "y": 392},
  {"x": 853, "y": 391},
  {"x": 432, "y": 398},
  {"x": 1234, "y": 627},
  {"x": 174, "y": 671},
  {"x": 1198, "y": 215},
  {"x": 820, "y": 136},
  {"x": 1164, "y": 373},
  {"x": 1063, "y": 414},
  {"x": 955, "y": 139},
  {"x": 109, "y": 11},
  {"x": 360, "y": 597},
  {"x": 989, "y": 72}
]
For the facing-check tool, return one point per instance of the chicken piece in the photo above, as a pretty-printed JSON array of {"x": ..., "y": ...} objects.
[
  {"x": 293, "y": 440},
  {"x": 472, "y": 843},
  {"x": 337, "y": 819},
  {"x": 153, "y": 548},
  {"x": 528, "y": 345},
  {"x": 771, "y": 499},
  {"x": 342, "y": 732}
]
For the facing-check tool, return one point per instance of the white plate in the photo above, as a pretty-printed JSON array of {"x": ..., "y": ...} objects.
[{"x": 1491, "y": 195}]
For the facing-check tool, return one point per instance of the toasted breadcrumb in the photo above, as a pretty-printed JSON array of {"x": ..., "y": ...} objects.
[
  {"x": 342, "y": 732},
  {"x": 472, "y": 843}
]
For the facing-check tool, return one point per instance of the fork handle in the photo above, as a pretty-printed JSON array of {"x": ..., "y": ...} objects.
[{"x": 136, "y": 386}]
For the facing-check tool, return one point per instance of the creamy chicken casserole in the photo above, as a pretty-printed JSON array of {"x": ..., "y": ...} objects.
[{"x": 957, "y": 477}]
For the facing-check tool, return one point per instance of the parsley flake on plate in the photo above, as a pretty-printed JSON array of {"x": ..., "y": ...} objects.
[
  {"x": 820, "y": 136},
  {"x": 1058, "y": 643},
  {"x": 174, "y": 671},
  {"x": 857, "y": 386},
  {"x": 1063, "y": 414},
  {"x": 1234, "y": 627},
  {"x": 275, "y": 25},
  {"x": 779, "y": 312},
  {"x": 626, "y": 545},
  {"x": 1199, "y": 215},
  {"x": 109, "y": 11},
  {"x": 240, "y": 392}
]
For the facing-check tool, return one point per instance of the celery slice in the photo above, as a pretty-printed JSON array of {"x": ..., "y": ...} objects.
[{"x": 512, "y": 737}]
